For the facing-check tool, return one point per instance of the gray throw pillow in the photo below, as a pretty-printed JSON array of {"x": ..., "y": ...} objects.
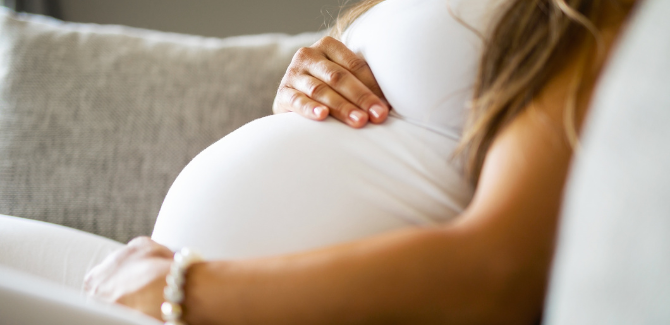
[{"x": 97, "y": 121}]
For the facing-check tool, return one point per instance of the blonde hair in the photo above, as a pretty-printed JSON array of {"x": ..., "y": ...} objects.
[
  {"x": 531, "y": 42},
  {"x": 347, "y": 17}
]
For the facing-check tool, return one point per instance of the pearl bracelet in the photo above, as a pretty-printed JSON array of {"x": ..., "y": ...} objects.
[{"x": 174, "y": 291}]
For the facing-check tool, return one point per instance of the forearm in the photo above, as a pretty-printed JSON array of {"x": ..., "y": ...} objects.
[
  {"x": 437, "y": 275},
  {"x": 490, "y": 267}
]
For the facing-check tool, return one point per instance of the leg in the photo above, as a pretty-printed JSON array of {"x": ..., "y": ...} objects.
[
  {"x": 60, "y": 254},
  {"x": 26, "y": 299}
]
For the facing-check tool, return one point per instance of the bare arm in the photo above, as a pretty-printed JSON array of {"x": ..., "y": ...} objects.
[{"x": 489, "y": 267}]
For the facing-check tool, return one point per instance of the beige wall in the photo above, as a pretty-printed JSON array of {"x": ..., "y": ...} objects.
[{"x": 206, "y": 17}]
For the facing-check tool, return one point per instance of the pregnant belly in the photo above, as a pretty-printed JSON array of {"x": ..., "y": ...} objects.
[{"x": 283, "y": 184}]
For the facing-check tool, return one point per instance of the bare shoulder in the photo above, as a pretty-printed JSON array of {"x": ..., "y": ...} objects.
[{"x": 529, "y": 159}]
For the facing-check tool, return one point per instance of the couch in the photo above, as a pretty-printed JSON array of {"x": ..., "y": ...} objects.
[{"x": 97, "y": 121}]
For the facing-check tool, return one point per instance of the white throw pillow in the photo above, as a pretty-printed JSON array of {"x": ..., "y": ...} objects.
[{"x": 613, "y": 260}]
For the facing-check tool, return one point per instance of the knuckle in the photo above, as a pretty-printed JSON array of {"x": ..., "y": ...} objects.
[
  {"x": 281, "y": 91},
  {"x": 295, "y": 99},
  {"x": 139, "y": 241},
  {"x": 345, "y": 108},
  {"x": 302, "y": 53},
  {"x": 306, "y": 110},
  {"x": 291, "y": 72},
  {"x": 357, "y": 64},
  {"x": 126, "y": 253},
  {"x": 376, "y": 89},
  {"x": 334, "y": 77},
  {"x": 364, "y": 98},
  {"x": 302, "y": 62},
  {"x": 284, "y": 99},
  {"x": 317, "y": 89},
  {"x": 324, "y": 41}
]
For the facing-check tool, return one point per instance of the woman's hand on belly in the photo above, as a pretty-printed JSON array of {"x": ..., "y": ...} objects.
[{"x": 328, "y": 78}]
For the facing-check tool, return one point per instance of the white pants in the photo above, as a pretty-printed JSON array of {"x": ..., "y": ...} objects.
[{"x": 42, "y": 267}]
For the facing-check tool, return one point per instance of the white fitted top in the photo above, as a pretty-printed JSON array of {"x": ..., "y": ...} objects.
[
  {"x": 283, "y": 183},
  {"x": 424, "y": 60}
]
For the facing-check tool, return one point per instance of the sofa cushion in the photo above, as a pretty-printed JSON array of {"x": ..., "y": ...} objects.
[
  {"x": 613, "y": 259},
  {"x": 97, "y": 121}
]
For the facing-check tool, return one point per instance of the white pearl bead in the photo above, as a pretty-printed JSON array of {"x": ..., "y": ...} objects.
[
  {"x": 186, "y": 257},
  {"x": 171, "y": 311},
  {"x": 176, "y": 268},
  {"x": 173, "y": 295},
  {"x": 175, "y": 281},
  {"x": 173, "y": 292}
]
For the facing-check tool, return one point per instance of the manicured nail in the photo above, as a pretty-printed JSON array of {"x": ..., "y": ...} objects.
[
  {"x": 319, "y": 111},
  {"x": 356, "y": 116},
  {"x": 376, "y": 111}
]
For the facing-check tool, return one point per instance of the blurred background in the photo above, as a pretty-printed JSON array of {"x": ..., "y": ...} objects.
[{"x": 219, "y": 18}]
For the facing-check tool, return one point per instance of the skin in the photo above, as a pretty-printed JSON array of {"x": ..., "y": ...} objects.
[
  {"x": 328, "y": 78},
  {"x": 490, "y": 266}
]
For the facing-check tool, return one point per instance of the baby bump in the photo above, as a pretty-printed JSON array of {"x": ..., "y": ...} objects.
[{"x": 283, "y": 184}]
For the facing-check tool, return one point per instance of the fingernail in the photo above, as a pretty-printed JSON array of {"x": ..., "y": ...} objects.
[
  {"x": 319, "y": 110},
  {"x": 356, "y": 116},
  {"x": 376, "y": 111}
]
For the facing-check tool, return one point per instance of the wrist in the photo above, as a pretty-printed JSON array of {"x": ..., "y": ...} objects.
[
  {"x": 172, "y": 308},
  {"x": 207, "y": 298}
]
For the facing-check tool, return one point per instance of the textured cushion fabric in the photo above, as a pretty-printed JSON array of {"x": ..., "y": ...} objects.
[
  {"x": 97, "y": 121},
  {"x": 613, "y": 259}
]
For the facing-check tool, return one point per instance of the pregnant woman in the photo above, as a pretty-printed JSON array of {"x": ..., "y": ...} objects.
[
  {"x": 318, "y": 223},
  {"x": 284, "y": 184}
]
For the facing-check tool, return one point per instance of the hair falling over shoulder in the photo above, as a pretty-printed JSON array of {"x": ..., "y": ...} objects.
[{"x": 529, "y": 44}]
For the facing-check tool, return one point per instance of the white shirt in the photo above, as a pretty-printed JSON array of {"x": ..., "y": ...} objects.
[{"x": 283, "y": 184}]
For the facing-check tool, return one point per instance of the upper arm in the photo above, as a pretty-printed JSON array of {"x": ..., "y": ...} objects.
[
  {"x": 527, "y": 163},
  {"x": 520, "y": 189},
  {"x": 513, "y": 215}
]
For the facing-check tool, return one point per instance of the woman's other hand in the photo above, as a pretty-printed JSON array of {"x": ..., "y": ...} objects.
[
  {"x": 133, "y": 276},
  {"x": 328, "y": 78}
]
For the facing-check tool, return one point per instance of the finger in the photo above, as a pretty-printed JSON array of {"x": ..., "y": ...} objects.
[
  {"x": 314, "y": 61},
  {"x": 139, "y": 248},
  {"x": 140, "y": 241},
  {"x": 340, "y": 108},
  {"x": 338, "y": 53},
  {"x": 290, "y": 99},
  {"x": 347, "y": 85}
]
